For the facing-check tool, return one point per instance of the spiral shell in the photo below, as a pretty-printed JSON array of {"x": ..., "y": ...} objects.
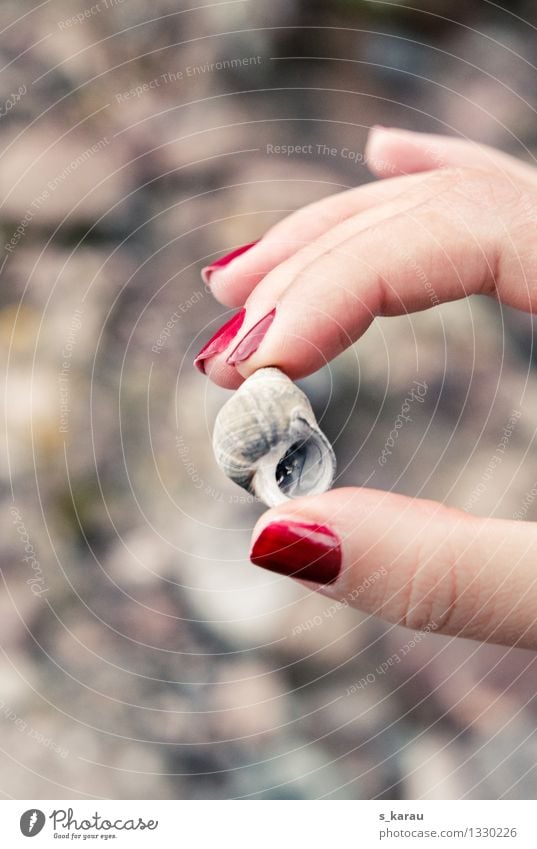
[{"x": 267, "y": 440}]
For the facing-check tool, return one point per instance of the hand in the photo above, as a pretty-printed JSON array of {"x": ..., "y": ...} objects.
[{"x": 465, "y": 216}]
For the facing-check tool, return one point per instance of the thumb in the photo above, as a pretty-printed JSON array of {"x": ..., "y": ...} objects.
[
  {"x": 392, "y": 152},
  {"x": 413, "y": 562}
]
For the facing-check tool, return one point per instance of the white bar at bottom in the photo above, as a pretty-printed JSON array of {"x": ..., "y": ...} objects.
[{"x": 268, "y": 824}]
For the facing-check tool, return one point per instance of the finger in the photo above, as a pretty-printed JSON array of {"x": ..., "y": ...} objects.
[
  {"x": 412, "y": 562},
  {"x": 457, "y": 238},
  {"x": 232, "y": 282},
  {"x": 211, "y": 360},
  {"x": 390, "y": 151}
]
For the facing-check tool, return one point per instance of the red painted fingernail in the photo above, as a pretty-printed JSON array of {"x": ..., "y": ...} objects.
[
  {"x": 251, "y": 342},
  {"x": 220, "y": 340},
  {"x": 302, "y": 550},
  {"x": 224, "y": 260}
]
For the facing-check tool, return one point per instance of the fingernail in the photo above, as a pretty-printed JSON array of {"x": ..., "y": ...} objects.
[
  {"x": 224, "y": 260},
  {"x": 251, "y": 342},
  {"x": 220, "y": 340},
  {"x": 302, "y": 550}
]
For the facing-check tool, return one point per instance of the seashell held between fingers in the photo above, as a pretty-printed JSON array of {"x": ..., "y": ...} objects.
[{"x": 267, "y": 440}]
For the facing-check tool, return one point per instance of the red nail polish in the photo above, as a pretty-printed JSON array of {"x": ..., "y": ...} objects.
[
  {"x": 302, "y": 550},
  {"x": 224, "y": 260},
  {"x": 251, "y": 342},
  {"x": 220, "y": 340}
]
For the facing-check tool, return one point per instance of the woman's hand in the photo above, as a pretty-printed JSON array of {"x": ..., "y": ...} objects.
[{"x": 454, "y": 219}]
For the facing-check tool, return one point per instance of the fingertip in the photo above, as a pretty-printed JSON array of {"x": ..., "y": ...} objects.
[
  {"x": 223, "y": 276},
  {"x": 225, "y": 287},
  {"x": 306, "y": 551},
  {"x": 381, "y": 151},
  {"x": 218, "y": 372},
  {"x": 206, "y": 273}
]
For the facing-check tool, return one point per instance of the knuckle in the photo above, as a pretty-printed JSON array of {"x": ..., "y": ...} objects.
[
  {"x": 488, "y": 190},
  {"x": 525, "y": 213},
  {"x": 503, "y": 212},
  {"x": 432, "y": 599}
]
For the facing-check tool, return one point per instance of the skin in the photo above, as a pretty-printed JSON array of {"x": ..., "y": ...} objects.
[{"x": 467, "y": 216}]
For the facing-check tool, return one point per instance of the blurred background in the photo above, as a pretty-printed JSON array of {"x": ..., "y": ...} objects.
[{"x": 142, "y": 655}]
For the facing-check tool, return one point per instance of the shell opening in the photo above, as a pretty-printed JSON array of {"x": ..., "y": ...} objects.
[
  {"x": 304, "y": 467},
  {"x": 300, "y": 468}
]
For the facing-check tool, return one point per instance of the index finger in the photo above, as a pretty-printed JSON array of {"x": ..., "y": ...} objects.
[{"x": 472, "y": 235}]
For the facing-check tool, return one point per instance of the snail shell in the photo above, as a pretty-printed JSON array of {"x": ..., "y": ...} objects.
[{"x": 267, "y": 440}]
